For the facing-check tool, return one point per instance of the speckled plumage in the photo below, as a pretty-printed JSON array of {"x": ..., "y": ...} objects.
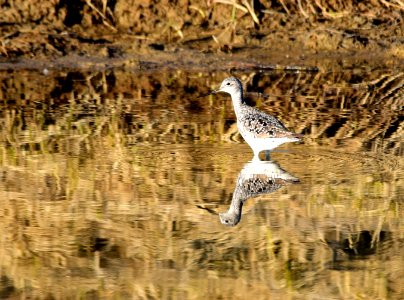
[
  {"x": 260, "y": 130},
  {"x": 255, "y": 179}
]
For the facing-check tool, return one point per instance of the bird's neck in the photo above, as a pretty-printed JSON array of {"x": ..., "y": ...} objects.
[
  {"x": 236, "y": 207},
  {"x": 237, "y": 100}
]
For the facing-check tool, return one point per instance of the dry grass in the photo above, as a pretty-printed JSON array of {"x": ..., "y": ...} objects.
[{"x": 77, "y": 27}]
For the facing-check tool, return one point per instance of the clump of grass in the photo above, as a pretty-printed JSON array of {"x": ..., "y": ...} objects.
[
  {"x": 244, "y": 7},
  {"x": 102, "y": 13}
]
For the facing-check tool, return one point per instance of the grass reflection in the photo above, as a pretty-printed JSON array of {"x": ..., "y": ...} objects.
[{"x": 101, "y": 176}]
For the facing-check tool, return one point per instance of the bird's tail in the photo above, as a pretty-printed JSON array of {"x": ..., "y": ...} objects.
[{"x": 297, "y": 137}]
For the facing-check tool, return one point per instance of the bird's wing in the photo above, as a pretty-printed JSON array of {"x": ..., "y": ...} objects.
[{"x": 262, "y": 125}]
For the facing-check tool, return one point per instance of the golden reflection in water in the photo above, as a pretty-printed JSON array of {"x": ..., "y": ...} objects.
[{"x": 101, "y": 188}]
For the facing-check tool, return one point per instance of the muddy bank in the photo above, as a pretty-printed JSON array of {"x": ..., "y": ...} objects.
[{"x": 189, "y": 33}]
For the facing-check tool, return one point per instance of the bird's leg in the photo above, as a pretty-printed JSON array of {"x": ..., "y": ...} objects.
[
  {"x": 267, "y": 155},
  {"x": 256, "y": 156}
]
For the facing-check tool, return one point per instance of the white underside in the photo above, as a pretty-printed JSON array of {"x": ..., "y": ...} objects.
[
  {"x": 268, "y": 169},
  {"x": 259, "y": 144}
]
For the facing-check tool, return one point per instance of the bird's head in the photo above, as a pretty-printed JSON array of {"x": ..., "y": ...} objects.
[{"x": 230, "y": 85}]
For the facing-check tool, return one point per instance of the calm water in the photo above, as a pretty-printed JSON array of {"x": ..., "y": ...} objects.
[{"x": 115, "y": 185}]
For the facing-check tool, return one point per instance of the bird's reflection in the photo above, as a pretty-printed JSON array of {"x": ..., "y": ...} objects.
[{"x": 256, "y": 178}]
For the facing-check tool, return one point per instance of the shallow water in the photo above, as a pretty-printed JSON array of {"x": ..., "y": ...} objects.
[{"x": 112, "y": 184}]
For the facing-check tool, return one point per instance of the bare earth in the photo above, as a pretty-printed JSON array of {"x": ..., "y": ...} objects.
[{"x": 198, "y": 34}]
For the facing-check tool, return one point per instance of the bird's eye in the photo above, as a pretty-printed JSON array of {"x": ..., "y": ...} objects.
[{"x": 228, "y": 83}]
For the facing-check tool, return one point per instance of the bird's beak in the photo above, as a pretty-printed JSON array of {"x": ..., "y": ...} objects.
[
  {"x": 212, "y": 92},
  {"x": 207, "y": 94}
]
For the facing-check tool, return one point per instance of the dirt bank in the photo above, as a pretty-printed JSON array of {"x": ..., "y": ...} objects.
[{"x": 124, "y": 32}]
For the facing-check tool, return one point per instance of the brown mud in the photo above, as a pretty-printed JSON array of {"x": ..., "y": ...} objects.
[{"x": 198, "y": 34}]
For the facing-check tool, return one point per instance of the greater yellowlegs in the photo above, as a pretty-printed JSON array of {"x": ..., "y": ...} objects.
[
  {"x": 260, "y": 130},
  {"x": 255, "y": 179}
]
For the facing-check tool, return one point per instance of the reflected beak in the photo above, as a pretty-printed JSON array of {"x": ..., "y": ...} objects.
[{"x": 208, "y": 209}]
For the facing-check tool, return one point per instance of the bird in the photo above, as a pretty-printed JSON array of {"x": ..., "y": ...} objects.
[
  {"x": 261, "y": 131},
  {"x": 255, "y": 179}
]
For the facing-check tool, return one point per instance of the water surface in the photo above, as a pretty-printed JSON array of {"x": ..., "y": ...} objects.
[{"x": 112, "y": 183}]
